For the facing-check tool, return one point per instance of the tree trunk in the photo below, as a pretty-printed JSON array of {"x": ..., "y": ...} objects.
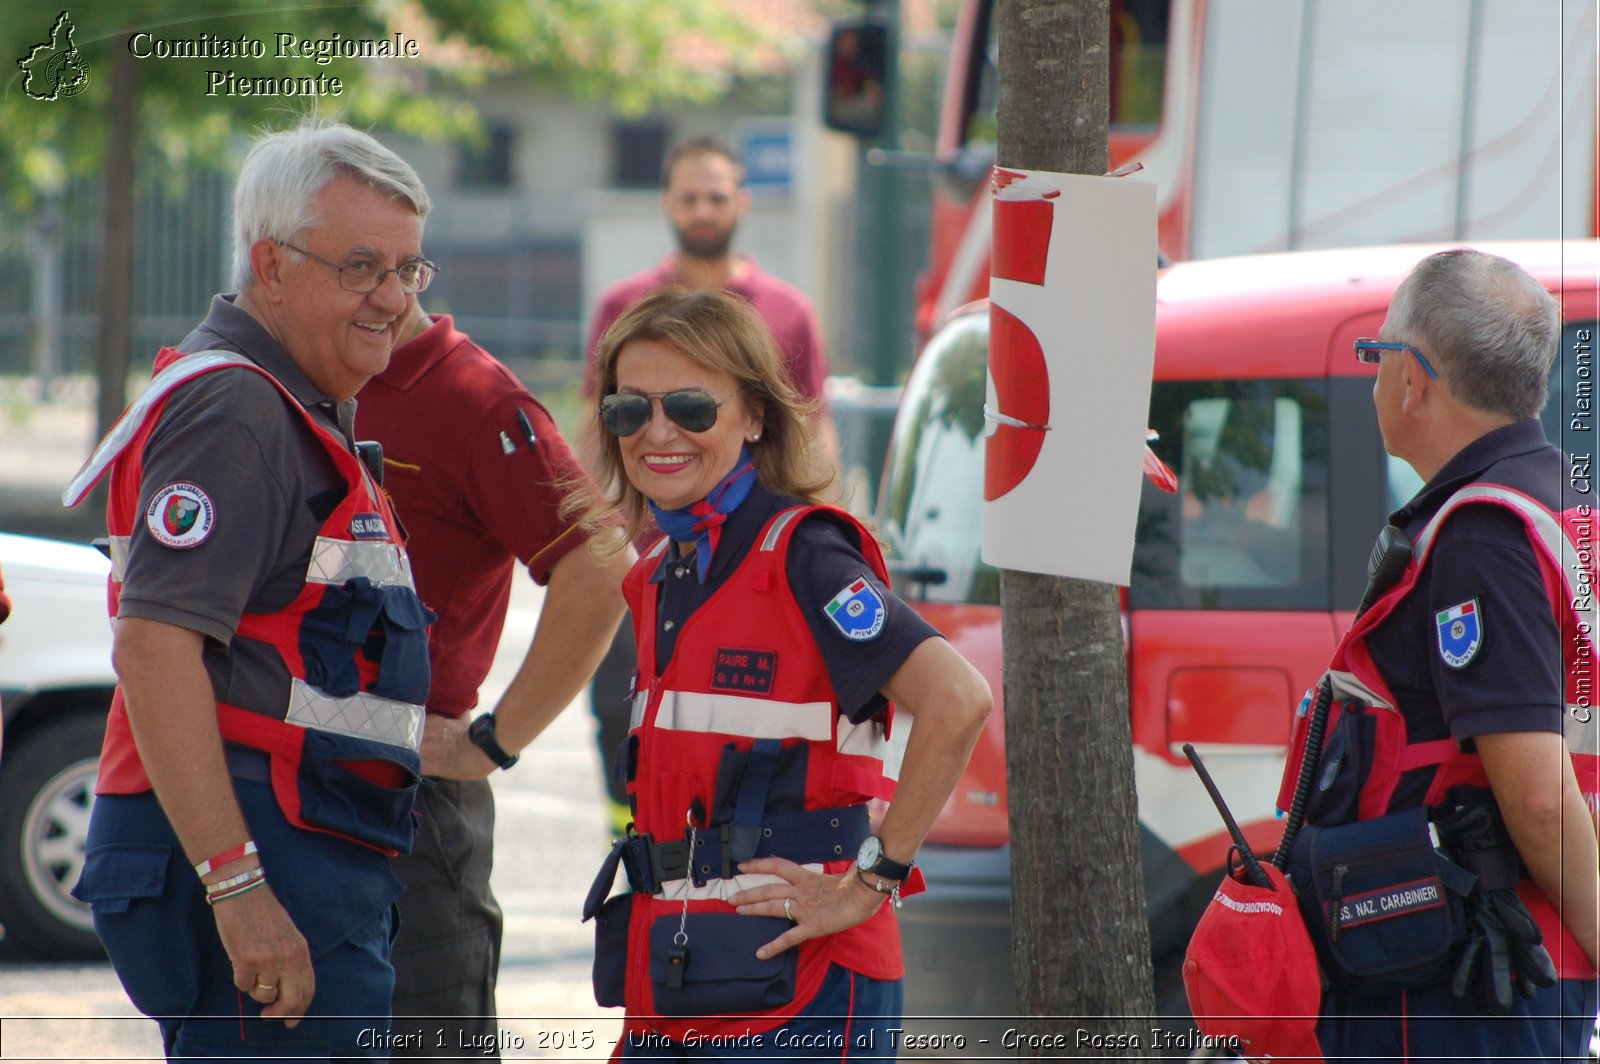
[
  {"x": 115, "y": 290},
  {"x": 1081, "y": 945}
]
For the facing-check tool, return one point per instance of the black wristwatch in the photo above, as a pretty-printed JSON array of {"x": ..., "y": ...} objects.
[
  {"x": 481, "y": 732},
  {"x": 872, "y": 861}
]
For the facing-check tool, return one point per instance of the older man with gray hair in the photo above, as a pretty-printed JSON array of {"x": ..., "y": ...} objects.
[
  {"x": 1454, "y": 689},
  {"x": 261, "y": 756}
]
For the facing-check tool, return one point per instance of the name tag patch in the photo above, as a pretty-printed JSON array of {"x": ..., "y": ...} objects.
[
  {"x": 1388, "y": 902},
  {"x": 744, "y": 671},
  {"x": 368, "y": 526}
]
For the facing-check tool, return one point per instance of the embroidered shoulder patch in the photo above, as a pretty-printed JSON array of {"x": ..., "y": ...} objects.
[
  {"x": 1460, "y": 633},
  {"x": 858, "y": 611},
  {"x": 180, "y": 515}
]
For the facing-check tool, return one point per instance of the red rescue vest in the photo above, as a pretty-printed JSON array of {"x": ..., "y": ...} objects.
[
  {"x": 744, "y": 668},
  {"x": 1565, "y": 546},
  {"x": 343, "y": 728}
]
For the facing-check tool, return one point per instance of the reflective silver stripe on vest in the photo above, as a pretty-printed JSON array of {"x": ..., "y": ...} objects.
[
  {"x": 862, "y": 740},
  {"x": 128, "y": 426},
  {"x": 1347, "y": 688},
  {"x": 720, "y": 889},
  {"x": 119, "y": 557},
  {"x": 779, "y": 523},
  {"x": 365, "y": 716},
  {"x": 641, "y": 702},
  {"x": 333, "y": 561},
  {"x": 756, "y": 718},
  {"x": 1582, "y": 730},
  {"x": 1546, "y": 527}
]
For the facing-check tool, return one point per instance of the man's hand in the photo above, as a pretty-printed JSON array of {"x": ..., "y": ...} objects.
[
  {"x": 271, "y": 962},
  {"x": 448, "y": 754}
]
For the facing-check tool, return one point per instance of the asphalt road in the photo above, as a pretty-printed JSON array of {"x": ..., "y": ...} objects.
[{"x": 549, "y": 838}]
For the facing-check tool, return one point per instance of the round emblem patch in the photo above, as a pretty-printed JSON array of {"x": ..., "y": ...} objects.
[{"x": 180, "y": 515}]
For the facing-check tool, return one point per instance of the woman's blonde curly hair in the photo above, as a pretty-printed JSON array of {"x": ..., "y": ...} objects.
[{"x": 718, "y": 331}]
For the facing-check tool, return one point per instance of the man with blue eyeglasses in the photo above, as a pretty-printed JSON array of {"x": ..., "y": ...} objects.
[{"x": 1458, "y": 689}]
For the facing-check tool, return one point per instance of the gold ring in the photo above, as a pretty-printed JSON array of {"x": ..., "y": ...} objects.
[
  {"x": 788, "y": 906},
  {"x": 266, "y": 986}
]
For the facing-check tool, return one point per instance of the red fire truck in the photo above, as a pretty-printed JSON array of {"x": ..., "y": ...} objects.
[{"x": 1280, "y": 126}]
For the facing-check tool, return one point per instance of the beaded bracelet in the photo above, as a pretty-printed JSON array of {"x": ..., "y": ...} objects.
[
  {"x": 235, "y": 881},
  {"x": 212, "y": 899},
  {"x": 226, "y": 856}
]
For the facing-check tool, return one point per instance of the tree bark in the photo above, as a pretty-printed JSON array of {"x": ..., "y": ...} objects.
[
  {"x": 1081, "y": 945},
  {"x": 114, "y": 294}
]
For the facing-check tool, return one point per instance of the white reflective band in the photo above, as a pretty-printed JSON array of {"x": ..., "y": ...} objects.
[
  {"x": 756, "y": 718},
  {"x": 1347, "y": 688},
  {"x": 119, "y": 557},
  {"x": 862, "y": 740},
  {"x": 719, "y": 889},
  {"x": 1582, "y": 730},
  {"x": 333, "y": 561},
  {"x": 364, "y": 716},
  {"x": 123, "y": 432},
  {"x": 641, "y": 701},
  {"x": 781, "y": 522}
]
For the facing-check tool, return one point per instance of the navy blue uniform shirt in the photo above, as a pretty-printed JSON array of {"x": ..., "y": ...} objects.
[
  {"x": 1514, "y": 680},
  {"x": 822, "y": 561}
]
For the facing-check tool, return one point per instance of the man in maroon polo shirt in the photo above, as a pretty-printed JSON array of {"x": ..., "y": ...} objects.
[
  {"x": 703, "y": 198},
  {"x": 476, "y": 469}
]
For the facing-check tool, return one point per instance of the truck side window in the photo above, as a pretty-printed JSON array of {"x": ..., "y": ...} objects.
[{"x": 1248, "y": 526}]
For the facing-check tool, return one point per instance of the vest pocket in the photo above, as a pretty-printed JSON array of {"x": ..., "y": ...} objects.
[
  {"x": 384, "y": 624},
  {"x": 352, "y": 803},
  {"x": 610, "y": 975},
  {"x": 1378, "y": 901},
  {"x": 716, "y": 971},
  {"x": 1345, "y": 766}
]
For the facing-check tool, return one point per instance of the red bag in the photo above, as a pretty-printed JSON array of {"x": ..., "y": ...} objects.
[{"x": 1251, "y": 972}]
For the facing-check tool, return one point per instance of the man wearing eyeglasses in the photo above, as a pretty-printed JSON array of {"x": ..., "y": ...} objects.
[
  {"x": 262, "y": 750},
  {"x": 1471, "y": 667},
  {"x": 478, "y": 472}
]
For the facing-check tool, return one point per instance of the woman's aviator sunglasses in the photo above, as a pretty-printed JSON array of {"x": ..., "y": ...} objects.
[{"x": 694, "y": 409}]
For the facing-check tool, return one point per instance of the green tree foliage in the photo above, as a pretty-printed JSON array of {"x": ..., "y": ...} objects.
[{"x": 628, "y": 52}]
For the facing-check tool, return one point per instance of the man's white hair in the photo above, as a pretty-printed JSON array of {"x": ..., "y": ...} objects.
[{"x": 275, "y": 196}]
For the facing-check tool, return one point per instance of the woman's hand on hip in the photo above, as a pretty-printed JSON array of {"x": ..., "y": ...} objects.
[{"x": 816, "y": 903}]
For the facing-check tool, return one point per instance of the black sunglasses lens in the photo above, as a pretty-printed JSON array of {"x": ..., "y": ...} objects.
[
  {"x": 693, "y": 408},
  {"x": 623, "y": 415}
]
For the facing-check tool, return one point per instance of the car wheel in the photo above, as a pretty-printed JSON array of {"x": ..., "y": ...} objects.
[{"x": 46, "y": 792}]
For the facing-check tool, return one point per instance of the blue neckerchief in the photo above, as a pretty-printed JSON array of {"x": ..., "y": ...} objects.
[{"x": 702, "y": 521}]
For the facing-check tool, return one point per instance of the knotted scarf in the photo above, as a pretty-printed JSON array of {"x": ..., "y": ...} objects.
[{"x": 702, "y": 521}]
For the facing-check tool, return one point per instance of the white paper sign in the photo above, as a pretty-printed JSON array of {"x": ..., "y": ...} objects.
[{"x": 1072, "y": 346}]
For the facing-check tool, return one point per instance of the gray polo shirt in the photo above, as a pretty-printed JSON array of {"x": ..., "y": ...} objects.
[{"x": 231, "y": 435}]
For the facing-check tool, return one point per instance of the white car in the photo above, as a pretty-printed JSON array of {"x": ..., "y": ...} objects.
[{"x": 55, "y": 687}]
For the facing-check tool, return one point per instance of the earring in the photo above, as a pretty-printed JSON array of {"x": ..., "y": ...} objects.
[{"x": 755, "y": 437}]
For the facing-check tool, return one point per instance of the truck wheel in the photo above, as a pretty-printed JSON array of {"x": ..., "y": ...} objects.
[{"x": 46, "y": 792}]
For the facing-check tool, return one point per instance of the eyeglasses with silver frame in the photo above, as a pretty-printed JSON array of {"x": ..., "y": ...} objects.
[{"x": 364, "y": 275}]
